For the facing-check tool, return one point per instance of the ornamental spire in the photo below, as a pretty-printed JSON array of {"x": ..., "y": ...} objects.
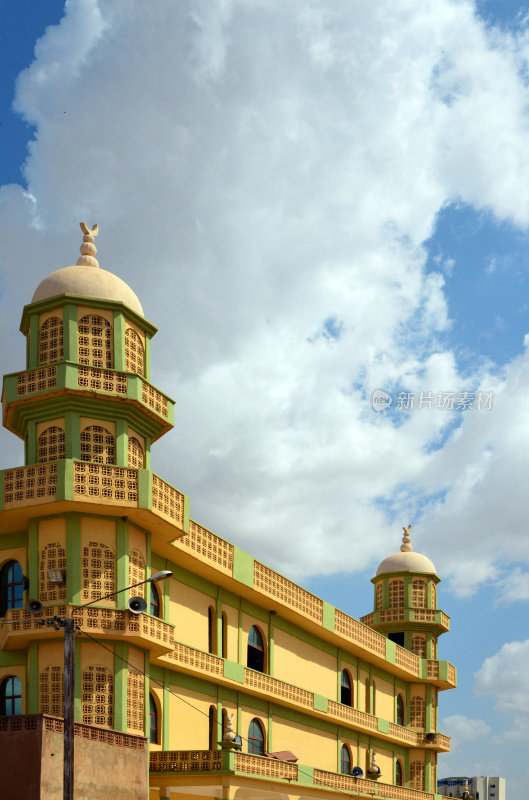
[
  {"x": 406, "y": 546},
  {"x": 88, "y": 249}
]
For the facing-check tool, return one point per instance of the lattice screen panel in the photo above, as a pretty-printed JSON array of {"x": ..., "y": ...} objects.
[
  {"x": 288, "y": 592},
  {"x": 27, "y": 484},
  {"x": 379, "y": 594},
  {"x": 167, "y": 500},
  {"x": 417, "y": 712},
  {"x": 51, "y": 341},
  {"x": 154, "y": 399},
  {"x": 52, "y": 444},
  {"x": 136, "y": 454},
  {"x": 98, "y": 564},
  {"x": 97, "y": 696},
  {"x": 208, "y": 546},
  {"x": 417, "y": 775},
  {"x": 102, "y": 379},
  {"x": 51, "y": 691},
  {"x": 135, "y": 707},
  {"x": 95, "y": 341},
  {"x": 396, "y": 594},
  {"x": 52, "y": 556},
  {"x": 352, "y": 629},
  {"x": 419, "y": 594},
  {"x": 36, "y": 380},
  {"x": 98, "y": 445},
  {"x": 137, "y": 572},
  {"x": 107, "y": 482},
  {"x": 134, "y": 353}
]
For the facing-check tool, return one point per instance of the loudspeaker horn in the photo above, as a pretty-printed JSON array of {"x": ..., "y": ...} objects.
[
  {"x": 357, "y": 772},
  {"x": 137, "y": 605},
  {"x": 34, "y": 606}
]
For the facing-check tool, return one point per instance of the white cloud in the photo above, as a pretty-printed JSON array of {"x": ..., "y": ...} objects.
[
  {"x": 504, "y": 676},
  {"x": 463, "y": 729},
  {"x": 257, "y": 170}
]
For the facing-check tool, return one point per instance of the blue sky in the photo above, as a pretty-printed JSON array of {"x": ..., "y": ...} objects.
[{"x": 312, "y": 202}]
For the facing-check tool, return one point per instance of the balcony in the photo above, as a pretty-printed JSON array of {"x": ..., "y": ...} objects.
[
  {"x": 144, "y": 631},
  {"x": 433, "y": 619},
  {"x": 78, "y": 379},
  {"x": 193, "y": 661},
  {"x": 228, "y": 762},
  {"x": 120, "y": 489}
]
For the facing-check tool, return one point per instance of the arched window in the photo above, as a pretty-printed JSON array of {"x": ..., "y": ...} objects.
[
  {"x": 401, "y": 717},
  {"x": 51, "y": 341},
  {"x": 379, "y": 593},
  {"x": 11, "y": 696},
  {"x": 134, "y": 352},
  {"x": 212, "y": 630},
  {"x": 52, "y": 556},
  {"x": 419, "y": 593},
  {"x": 98, "y": 445},
  {"x": 418, "y": 645},
  {"x": 155, "y": 601},
  {"x": 396, "y": 593},
  {"x": 417, "y": 712},
  {"x": 98, "y": 571},
  {"x": 212, "y": 730},
  {"x": 398, "y": 773},
  {"x": 256, "y": 655},
  {"x": 137, "y": 572},
  {"x": 97, "y": 691},
  {"x": 417, "y": 775},
  {"x": 135, "y": 707},
  {"x": 153, "y": 720},
  {"x": 346, "y": 694},
  {"x": 136, "y": 455},
  {"x": 11, "y": 587},
  {"x": 51, "y": 444},
  {"x": 51, "y": 691},
  {"x": 95, "y": 341},
  {"x": 256, "y": 737},
  {"x": 345, "y": 760}
]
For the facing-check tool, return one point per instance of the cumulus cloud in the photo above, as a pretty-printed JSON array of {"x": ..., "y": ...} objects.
[
  {"x": 504, "y": 677},
  {"x": 463, "y": 729},
  {"x": 258, "y": 170}
]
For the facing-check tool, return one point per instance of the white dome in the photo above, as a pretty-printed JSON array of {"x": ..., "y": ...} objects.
[
  {"x": 406, "y": 562},
  {"x": 87, "y": 281}
]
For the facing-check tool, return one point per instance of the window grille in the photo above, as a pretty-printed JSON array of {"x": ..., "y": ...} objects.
[
  {"x": 52, "y": 556},
  {"x": 97, "y": 686},
  {"x": 51, "y": 341},
  {"x": 134, "y": 352},
  {"x": 95, "y": 341},
  {"x": 98, "y": 566},
  {"x": 98, "y": 445},
  {"x": 52, "y": 444}
]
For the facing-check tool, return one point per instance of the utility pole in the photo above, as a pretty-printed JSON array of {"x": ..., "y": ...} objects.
[{"x": 69, "y": 677}]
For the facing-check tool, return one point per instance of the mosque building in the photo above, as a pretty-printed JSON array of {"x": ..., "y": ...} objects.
[{"x": 239, "y": 683}]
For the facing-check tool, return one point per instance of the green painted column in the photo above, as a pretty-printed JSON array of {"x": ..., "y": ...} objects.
[
  {"x": 219, "y": 625},
  {"x": 147, "y": 454},
  {"x": 73, "y": 559},
  {"x": 33, "y": 679},
  {"x": 270, "y": 745},
  {"x": 339, "y": 750},
  {"x": 72, "y": 424},
  {"x": 33, "y": 559},
  {"x": 271, "y": 632},
  {"x": 69, "y": 321},
  {"x": 32, "y": 456},
  {"x": 122, "y": 442},
  {"x": 122, "y": 553},
  {"x": 119, "y": 341},
  {"x": 146, "y": 687},
  {"x": 167, "y": 598},
  {"x": 121, "y": 672},
  {"x": 219, "y": 733},
  {"x": 408, "y": 591},
  {"x": 239, "y": 641},
  {"x": 428, "y": 772},
  {"x": 33, "y": 352},
  {"x": 429, "y": 717},
  {"x": 339, "y": 676}
]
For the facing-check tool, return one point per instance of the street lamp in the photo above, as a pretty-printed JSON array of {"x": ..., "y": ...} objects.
[{"x": 68, "y": 623}]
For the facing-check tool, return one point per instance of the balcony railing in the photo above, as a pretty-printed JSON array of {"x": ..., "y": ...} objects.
[
  {"x": 78, "y": 378},
  {"x": 229, "y": 762},
  {"x": 429, "y": 616},
  {"x": 149, "y": 632},
  {"x": 193, "y": 660}
]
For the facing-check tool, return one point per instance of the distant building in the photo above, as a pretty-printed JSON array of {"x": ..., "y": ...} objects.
[{"x": 480, "y": 787}]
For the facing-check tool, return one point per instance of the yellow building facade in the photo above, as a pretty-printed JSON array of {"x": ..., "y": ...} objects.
[{"x": 245, "y": 684}]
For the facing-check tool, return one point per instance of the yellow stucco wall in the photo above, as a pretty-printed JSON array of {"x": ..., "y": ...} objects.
[
  {"x": 293, "y": 659},
  {"x": 189, "y": 615},
  {"x": 308, "y": 744},
  {"x": 189, "y": 727}
]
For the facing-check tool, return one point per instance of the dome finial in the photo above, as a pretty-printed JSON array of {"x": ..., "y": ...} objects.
[
  {"x": 88, "y": 249},
  {"x": 406, "y": 546}
]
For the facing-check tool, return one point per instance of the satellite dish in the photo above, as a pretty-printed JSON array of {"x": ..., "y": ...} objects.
[
  {"x": 357, "y": 772},
  {"x": 34, "y": 607},
  {"x": 137, "y": 605}
]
